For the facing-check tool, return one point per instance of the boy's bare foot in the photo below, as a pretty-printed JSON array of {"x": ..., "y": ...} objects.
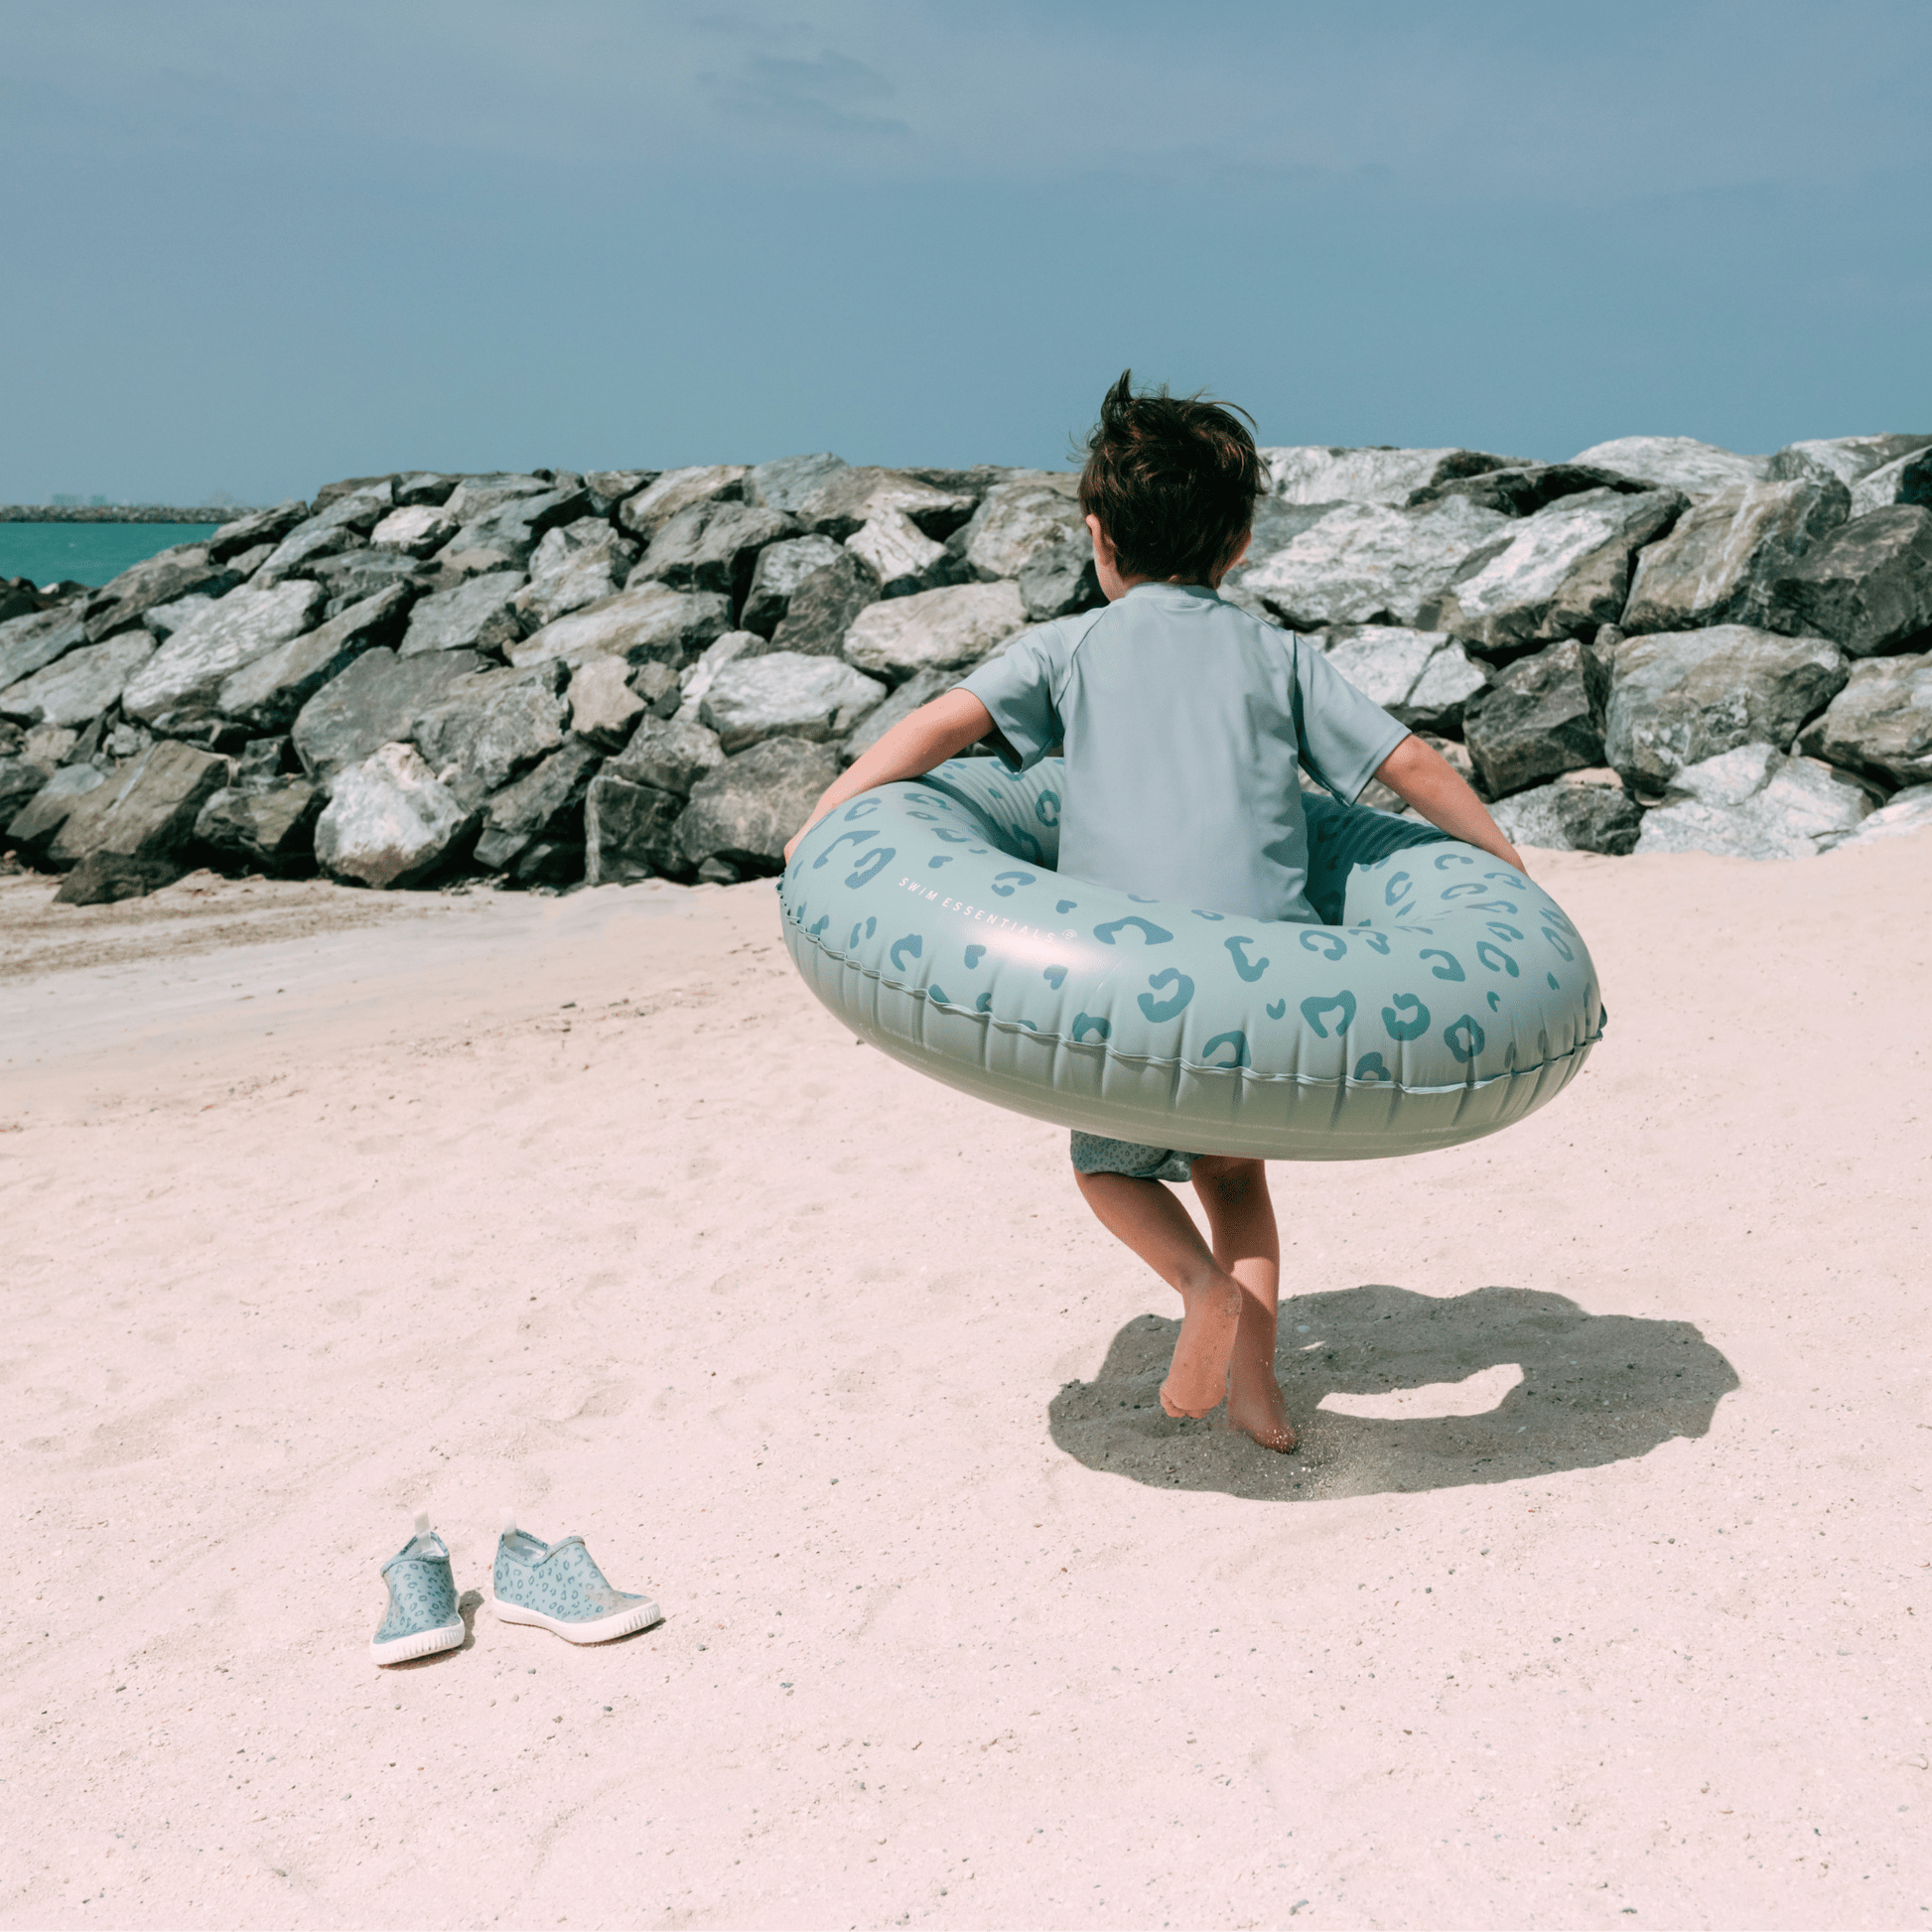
[
  {"x": 1255, "y": 1406},
  {"x": 1197, "y": 1378}
]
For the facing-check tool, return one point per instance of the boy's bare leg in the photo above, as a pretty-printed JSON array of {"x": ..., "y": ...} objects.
[
  {"x": 1152, "y": 1222},
  {"x": 1241, "y": 1216}
]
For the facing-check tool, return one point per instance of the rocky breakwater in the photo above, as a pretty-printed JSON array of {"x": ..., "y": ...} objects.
[{"x": 552, "y": 677}]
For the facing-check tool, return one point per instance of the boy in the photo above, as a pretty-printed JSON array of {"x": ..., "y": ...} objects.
[{"x": 1178, "y": 713}]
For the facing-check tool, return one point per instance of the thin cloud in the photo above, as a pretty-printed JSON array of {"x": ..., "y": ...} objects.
[{"x": 827, "y": 94}]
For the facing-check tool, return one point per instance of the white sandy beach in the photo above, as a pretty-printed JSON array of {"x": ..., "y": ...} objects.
[{"x": 321, "y": 1207}]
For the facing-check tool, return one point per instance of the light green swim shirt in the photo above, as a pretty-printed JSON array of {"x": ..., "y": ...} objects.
[{"x": 1178, "y": 711}]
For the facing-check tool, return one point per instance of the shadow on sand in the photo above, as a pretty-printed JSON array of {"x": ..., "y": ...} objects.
[{"x": 1546, "y": 1387}]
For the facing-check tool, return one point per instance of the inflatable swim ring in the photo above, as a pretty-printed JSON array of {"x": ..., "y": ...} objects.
[{"x": 1444, "y": 996}]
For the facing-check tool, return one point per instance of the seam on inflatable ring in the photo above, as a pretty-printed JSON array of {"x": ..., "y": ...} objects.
[{"x": 1177, "y": 1064}]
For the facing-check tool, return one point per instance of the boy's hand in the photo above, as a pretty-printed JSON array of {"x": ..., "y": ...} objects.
[{"x": 1422, "y": 777}]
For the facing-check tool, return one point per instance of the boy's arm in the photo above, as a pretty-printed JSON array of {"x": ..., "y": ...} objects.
[
  {"x": 928, "y": 737},
  {"x": 1421, "y": 777}
]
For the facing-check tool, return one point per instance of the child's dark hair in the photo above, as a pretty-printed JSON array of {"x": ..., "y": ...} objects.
[{"x": 1172, "y": 480}]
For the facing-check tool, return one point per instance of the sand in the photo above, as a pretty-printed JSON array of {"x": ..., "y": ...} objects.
[{"x": 1598, "y": 1595}]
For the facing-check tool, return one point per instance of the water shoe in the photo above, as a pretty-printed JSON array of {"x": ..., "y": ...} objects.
[
  {"x": 421, "y": 1617},
  {"x": 557, "y": 1587}
]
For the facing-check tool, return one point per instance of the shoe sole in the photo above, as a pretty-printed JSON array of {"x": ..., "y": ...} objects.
[
  {"x": 619, "y": 1623},
  {"x": 425, "y": 1643}
]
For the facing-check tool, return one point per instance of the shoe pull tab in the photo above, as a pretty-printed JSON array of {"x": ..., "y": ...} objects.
[
  {"x": 509, "y": 1521},
  {"x": 422, "y": 1522}
]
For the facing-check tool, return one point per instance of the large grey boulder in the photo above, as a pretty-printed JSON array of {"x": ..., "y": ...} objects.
[
  {"x": 184, "y": 675},
  {"x": 355, "y": 575},
  {"x": 304, "y": 546},
  {"x": 744, "y": 811},
  {"x": 1275, "y": 526},
  {"x": 266, "y": 693},
  {"x": 1719, "y": 561},
  {"x": 1905, "y": 811},
  {"x": 1534, "y": 723},
  {"x": 145, "y": 810},
  {"x": 900, "y": 555},
  {"x": 935, "y": 630},
  {"x": 388, "y": 822},
  {"x": 603, "y": 709},
  {"x": 783, "y": 694},
  {"x": 157, "y": 580},
  {"x": 1868, "y": 586},
  {"x": 825, "y": 605},
  {"x": 479, "y": 615},
  {"x": 416, "y": 531},
  {"x": 41, "y": 818},
  {"x": 1422, "y": 678},
  {"x": 849, "y": 499},
  {"x": 475, "y": 498},
  {"x": 19, "y": 781},
  {"x": 29, "y": 643},
  {"x": 1055, "y": 582},
  {"x": 1018, "y": 521},
  {"x": 641, "y": 621},
  {"x": 778, "y": 572},
  {"x": 785, "y": 481},
  {"x": 1756, "y": 803},
  {"x": 1675, "y": 462},
  {"x": 575, "y": 564},
  {"x": 1678, "y": 698},
  {"x": 668, "y": 754},
  {"x": 270, "y": 823},
  {"x": 1582, "y": 811},
  {"x": 1559, "y": 570},
  {"x": 332, "y": 493},
  {"x": 1906, "y": 480},
  {"x": 82, "y": 685},
  {"x": 505, "y": 538},
  {"x": 494, "y": 725},
  {"x": 1324, "y": 475},
  {"x": 679, "y": 489},
  {"x": 102, "y": 878},
  {"x": 1523, "y": 489},
  {"x": 631, "y": 832},
  {"x": 712, "y": 546},
  {"x": 547, "y": 803},
  {"x": 1880, "y": 723},
  {"x": 919, "y": 689},
  {"x": 165, "y": 620},
  {"x": 249, "y": 532},
  {"x": 696, "y": 679},
  {"x": 1848, "y": 457},
  {"x": 376, "y": 701},
  {"x": 1366, "y": 563}
]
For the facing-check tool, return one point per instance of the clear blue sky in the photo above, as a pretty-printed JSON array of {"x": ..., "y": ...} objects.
[{"x": 251, "y": 245}]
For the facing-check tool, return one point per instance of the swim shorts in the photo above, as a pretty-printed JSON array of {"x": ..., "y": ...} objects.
[{"x": 1094, "y": 1154}]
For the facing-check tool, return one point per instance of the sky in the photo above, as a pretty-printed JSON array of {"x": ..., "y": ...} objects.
[{"x": 250, "y": 247}]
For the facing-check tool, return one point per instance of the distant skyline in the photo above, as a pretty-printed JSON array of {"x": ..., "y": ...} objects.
[{"x": 252, "y": 248}]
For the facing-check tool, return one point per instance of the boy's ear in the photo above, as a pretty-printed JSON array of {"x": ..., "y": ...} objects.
[{"x": 1103, "y": 547}]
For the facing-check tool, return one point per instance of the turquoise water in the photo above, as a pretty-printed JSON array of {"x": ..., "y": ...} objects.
[{"x": 89, "y": 553}]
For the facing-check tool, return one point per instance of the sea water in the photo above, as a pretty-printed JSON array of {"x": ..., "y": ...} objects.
[{"x": 86, "y": 553}]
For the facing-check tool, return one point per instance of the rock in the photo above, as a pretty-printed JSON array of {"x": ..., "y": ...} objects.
[
  {"x": 1018, "y": 522},
  {"x": 1548, "y": 574},
  {"x": 1572, "y": 816},
  {"x": 1756, "y": 803},
  {"x": 849, "y": 499},
  {"x": 20, "y": 779},
  {"x": 145, "y": 810},
  {"x": 479, "y": 615},
  {"x": 1905, "y": 811},
  {"x": 1276, "y": 525},
  {"x": 575, "y": 564},
  {"x": 713, "y": 546},
  {"x": 1056, "y": 583},
  {"x": 267, "y": 694},
  {"x": 1317, "y": 475},
  {"x": 47, "y": 746},
  {"x": 416, "y": 531},
  {"x": 262, "y": 758},
  {"x": 1364, "y": 563},
  {"x": 645, "y": 621},
  {"x": 778, "y": 572},
  {"x": 609, "y": 487},
  {"x": 785, "y": 694},
  {"x": 492, "y": 726},
  {"x": 631, "y": 832},
  {"x": 303, "y": 546},
  {"x": 376, "y": 702},
  {"x": 1719, "y": 559},
  {"x": 919, "y": 689},
  {"x": 903, "y": 558},
  {"x": 29, "y": 643},
  {"x": 1522, "y": 492},
  {"x": 247, "y": 534},
  {"x": 1868, "y": 586},
  {"x": 1679, "y": 698},
  {"x": 184, "y": 674},
  {"x": 658, "y": 686},
  {"x": 785, "y": 481},
  {"x": 668, "y": 754},
  {"x": 1677, "y": 463},
  {"x": 505, "y": 538},
  {"x": 745, "y": 810},
  {"x": 356, "y": 575},
  {"x": 718, "y": 871},
  {"x": 936, "y": 629},
  {"x": 678, "y": 490},
  {"x": 332, "y": 493},
  {"x": 602, "y": 708},
  {"x": 1534, "y": 723},
  {"x": 1907, "y": 480},
  {"x": 1880, "y": 723},
  {"x": 161, "y": 579},
  {"x": 695, "y": 679},
  {"x": 104, "y": 876},
  {"x": 825, "y": 606},
  {"x": 475, "y": 498},
  {"x": 426, "y": 487},
  {"x": 82, "y": 685},
  {"x": 165, "y": 620},
  {"x": 546, "y": 802},
  {"x": 389, "y": 822},
  {"x": 270, "y": 823},
  {"x": 1848, "y": 457},
  {"x": 1421, "y": 678},
  {"x": 39, "y": 822},
  {"x": 248, "y": 562}
]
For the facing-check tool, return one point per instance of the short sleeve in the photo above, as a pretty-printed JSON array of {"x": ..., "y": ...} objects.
[
  {"x": 1021, "y": 688},
  {"x": 1345, "y": 736}
]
